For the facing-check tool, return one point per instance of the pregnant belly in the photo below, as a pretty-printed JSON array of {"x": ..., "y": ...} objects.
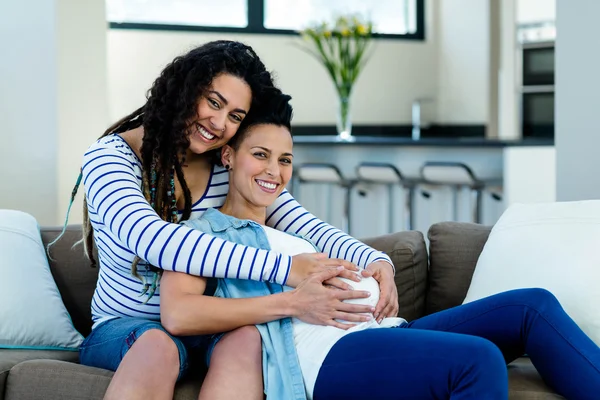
[{"x": 366, "y": 284}]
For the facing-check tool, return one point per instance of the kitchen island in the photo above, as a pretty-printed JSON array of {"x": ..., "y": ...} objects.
[{"x": 526, "y": 169}]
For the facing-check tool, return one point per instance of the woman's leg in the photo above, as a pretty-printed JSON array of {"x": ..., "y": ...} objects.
[
  {"x": 149, "y": 369},
  {"x": 529, "y": 321},
  {"x": 392, "y": 364},
  {"x": 147, "y": 360},
  {"x": 235, "y": 370}
]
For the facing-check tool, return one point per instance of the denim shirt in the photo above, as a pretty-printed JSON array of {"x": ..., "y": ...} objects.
[{"x": 281, "y": 369}]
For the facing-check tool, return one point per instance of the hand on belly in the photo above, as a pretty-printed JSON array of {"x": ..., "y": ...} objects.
[{"x": 366, "y": 284}]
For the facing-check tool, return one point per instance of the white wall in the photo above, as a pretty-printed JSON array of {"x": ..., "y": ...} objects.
[
  {"x": 28, "y": 108},
  {"x": 53, "y": 101},
  {"x": 529, "y": 11},
  {"x": 82, "y": 92},
  {"x": 463, "y": 61},
  {"x": 508, "y": 81},
  {"x": 577, "y": 86},
  {"x": 529, "y": 175}
]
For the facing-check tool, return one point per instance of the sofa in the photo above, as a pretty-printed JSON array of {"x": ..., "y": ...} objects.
[{"x": 428, "y": 281}]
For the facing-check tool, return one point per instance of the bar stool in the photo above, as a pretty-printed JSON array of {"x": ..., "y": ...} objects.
[
  {"x": 457, "y": 175},
  {"x": 389, "y": 175},
  {"x": 328, "y": 174}
]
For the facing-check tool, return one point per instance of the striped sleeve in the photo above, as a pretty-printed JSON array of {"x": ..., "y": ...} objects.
[
  {"x": 287, "y": 215},
  {"x": 116, "y": 202}
]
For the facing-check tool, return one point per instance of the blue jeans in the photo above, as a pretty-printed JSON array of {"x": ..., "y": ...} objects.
[
  {"x": 461, "y": 353},
  {"x": 108, "y": 343}
]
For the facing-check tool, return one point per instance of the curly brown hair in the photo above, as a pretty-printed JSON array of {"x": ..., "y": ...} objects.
[{"x": 171, "y": 103}]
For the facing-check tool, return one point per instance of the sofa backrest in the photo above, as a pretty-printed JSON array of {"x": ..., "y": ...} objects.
[
  {"x": 409, "y": 255},
  {"x": 76, "y": 280},
  {"x": 71, "y": 270},
  {"x": 454, "y": 248}
]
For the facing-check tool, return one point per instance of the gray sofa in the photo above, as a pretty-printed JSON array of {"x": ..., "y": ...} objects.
[{"x": 426, "y": 283}]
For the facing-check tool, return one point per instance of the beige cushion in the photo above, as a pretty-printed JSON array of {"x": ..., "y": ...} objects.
[
  {"x": 59, "y": 380},
  {"x": 454, "y": 248},
  {"x": 10, "y": 358},
  {"x": 409, "y": 255}
]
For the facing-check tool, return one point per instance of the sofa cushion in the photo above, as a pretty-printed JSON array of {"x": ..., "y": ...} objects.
[
  {"x": 552, "y": 246},
  {"x": 10, "y": 358},
  {"x": 73, "y": 275},
  {"x": 526, "y": 384},
  {"x": 58, "y": 380},
  {"x": 31, "y": 309},
  {"x": 409, "y": 255},
  {"x": 454, "y": 248}
]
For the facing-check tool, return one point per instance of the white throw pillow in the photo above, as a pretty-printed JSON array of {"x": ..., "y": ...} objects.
[
  {"x": 32, "y": 314},
  {"x": 553, "y": 246}
]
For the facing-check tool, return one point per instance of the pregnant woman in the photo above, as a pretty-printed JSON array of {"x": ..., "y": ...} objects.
[{"x": 460, "y": 353}]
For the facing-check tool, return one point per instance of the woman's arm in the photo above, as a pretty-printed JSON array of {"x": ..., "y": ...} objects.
[
  {"x": 287, "y": 215},
  {"x": 184, "y": 310},
  {"x": 116, "y": 201}
]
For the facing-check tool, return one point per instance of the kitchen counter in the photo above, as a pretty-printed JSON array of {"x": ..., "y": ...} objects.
[{"x": 426, "y": 142}]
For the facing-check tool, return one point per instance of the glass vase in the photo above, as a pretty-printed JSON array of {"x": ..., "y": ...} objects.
[{"x": 344, "y": 117}]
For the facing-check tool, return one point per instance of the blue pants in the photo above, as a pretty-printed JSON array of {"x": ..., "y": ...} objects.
[{"x": 461, "y": 353}]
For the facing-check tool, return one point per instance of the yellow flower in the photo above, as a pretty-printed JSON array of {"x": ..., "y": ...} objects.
[
  {"x": 327, "y": 34},
  {"x": 345, "y": 32},
  {"x": 361, "y": 29}
]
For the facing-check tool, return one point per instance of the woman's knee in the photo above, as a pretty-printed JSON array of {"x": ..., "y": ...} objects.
[
  {"x": 480, "y": 370},
  {"x": 157, "y": 345},
  {"x": 241, "y": 343},
  {"x": 540, "y": 299}
]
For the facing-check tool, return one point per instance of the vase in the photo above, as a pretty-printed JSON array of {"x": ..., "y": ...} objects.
[{"x": 344, "y": 117}]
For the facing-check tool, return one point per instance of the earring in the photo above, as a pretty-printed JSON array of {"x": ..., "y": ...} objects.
[{"x": 228, "y": 168}]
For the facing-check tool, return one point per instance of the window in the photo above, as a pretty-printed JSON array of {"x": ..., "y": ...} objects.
[
  {"x": 209, "y": 13},
  {"x": 396, "y": 17},
  {"x": 391, "y": 18}
]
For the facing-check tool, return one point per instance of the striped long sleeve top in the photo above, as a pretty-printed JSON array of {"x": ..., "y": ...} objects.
[{"x": 125, "y": 225}]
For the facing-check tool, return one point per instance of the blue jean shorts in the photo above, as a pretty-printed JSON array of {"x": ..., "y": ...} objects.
[{"x": 108, "y": 343}]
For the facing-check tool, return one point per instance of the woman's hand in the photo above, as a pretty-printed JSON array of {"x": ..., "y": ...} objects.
[
  {"x": 314, "y": 303},
  {"x": 306, "y": 264},
  {"x": 387, "y": 306}
]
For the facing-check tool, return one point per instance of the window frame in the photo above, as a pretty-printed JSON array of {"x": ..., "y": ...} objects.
[{"x": 256, "y": 13}]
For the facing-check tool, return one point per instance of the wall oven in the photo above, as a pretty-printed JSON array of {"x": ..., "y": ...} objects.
[{"x": 537, "y": 90}]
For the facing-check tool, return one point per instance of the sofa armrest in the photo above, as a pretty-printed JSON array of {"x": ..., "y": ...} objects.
[
  {"x": 409, "y": 255},
  {"x": 454, "y": 248}
]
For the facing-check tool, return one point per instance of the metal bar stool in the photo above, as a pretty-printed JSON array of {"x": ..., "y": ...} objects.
[
  {"x": 389, "y": 175},
  {"x": 456, "y": 175},
  {"x": 325, "y": 174}
]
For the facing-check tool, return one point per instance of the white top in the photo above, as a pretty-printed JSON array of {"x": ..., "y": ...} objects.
[
  {"x": 313, "y": 342},
  {"x": 125, "y": 225}
]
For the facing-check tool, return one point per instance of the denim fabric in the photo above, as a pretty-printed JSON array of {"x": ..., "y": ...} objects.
[
  {"x": 461, "y": 353},
  {"x": 108, "y": 343},
  {"x": 281, "y": 369}
]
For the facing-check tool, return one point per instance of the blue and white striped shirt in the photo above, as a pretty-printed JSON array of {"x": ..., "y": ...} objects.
[{"x": 125, "y": 225}]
